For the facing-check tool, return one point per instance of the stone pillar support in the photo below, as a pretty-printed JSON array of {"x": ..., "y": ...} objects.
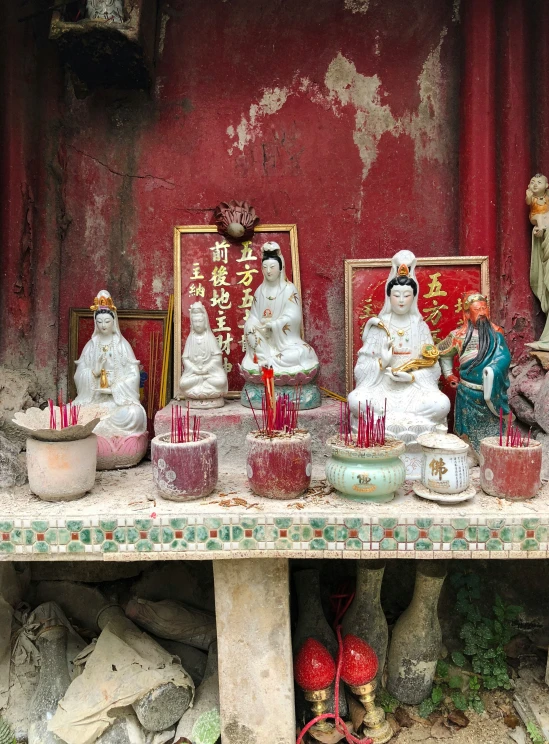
[{"x": 255, "y": 651}]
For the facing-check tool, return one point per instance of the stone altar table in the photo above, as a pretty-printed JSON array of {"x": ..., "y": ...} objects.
[{"x": 116, "y": 521}]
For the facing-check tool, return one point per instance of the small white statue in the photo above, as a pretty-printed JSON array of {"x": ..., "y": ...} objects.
[
  {"x": 106, "y": 10},
  {"x": 537, "y": 198},
  {"x": 399, "y": 335},
  {"x": 107, "y": 378},
  {"x": 204, "y": 379},
  {"x": 273, "y": 328}
]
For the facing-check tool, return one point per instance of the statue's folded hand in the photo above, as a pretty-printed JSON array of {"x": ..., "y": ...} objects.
[{"x": 399, "y": 376}]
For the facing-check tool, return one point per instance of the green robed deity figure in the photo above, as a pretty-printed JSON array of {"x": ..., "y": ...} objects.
[{"x": 484, "y": 360}]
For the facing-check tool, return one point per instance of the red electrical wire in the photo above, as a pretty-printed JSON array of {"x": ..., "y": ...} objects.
[{"x": 339, "y": 722}]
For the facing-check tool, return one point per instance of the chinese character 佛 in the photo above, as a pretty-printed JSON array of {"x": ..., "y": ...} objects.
[
  {"x": 435, "y": 287},
  {"x": 438, "y": 467}
]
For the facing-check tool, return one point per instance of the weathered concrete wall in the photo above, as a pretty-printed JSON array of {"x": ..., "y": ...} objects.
[{"x": 339, "y": 115}]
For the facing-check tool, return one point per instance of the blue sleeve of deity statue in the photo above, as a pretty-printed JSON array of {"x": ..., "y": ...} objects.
[{"x": 500, "y": 364}]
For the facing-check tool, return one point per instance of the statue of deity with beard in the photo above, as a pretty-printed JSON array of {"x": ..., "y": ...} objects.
[{"x": 484, "y": 360}]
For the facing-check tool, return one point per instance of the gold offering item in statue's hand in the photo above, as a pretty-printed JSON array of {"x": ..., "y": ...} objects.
[
  {"x": 103, "y": 380},
  {"x": 429, "y": 357}
]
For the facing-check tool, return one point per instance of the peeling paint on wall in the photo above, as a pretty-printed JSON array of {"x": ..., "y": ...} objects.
[
  {"x": 456, "y": 11},
  {"x": 272, "y": 101},
  {"x": 345, "y": 86},
  {"x": 357, "y": 6},
  {"x": 164, "y": 18},
  {"x": 426, "y": 126}
]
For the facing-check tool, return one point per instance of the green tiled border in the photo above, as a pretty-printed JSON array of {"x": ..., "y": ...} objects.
[{"x": 215, "y": 534}]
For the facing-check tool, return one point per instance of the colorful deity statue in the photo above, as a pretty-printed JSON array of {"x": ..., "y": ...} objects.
[
  {"x": 537, "y": 198},
  {"x": 484, "y": 360}
]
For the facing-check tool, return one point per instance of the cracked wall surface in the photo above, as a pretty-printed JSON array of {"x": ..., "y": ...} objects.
[{"x": 338, "y": 115}]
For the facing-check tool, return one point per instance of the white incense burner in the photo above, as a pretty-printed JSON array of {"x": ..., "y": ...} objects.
[{"x": 444, "y": 471}]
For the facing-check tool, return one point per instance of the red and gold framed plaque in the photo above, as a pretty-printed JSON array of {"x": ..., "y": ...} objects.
[
  {"x": 223, "y": 276},
  {"x": 442, "y": 283}
]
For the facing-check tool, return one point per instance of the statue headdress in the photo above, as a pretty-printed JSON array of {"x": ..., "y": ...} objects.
[
  {"x": 470, "y": 297},
  {"x": 403, "y": 263},
  {"x": 103, "y": 301},
  {"x": 103, "y": 304}
]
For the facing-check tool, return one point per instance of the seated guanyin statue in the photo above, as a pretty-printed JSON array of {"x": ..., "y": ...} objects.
[
  {"x": 107, "y": 379},
  {"x": 273, "y": 336},
  {"x": 204, "y": 380},
  {"x": 397, "y": 365}
]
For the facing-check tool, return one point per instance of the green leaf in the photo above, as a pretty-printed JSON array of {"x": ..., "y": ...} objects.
[
  {"x": 459, "y": 700},
  {"x": 458, "y": 658},
  {"x": 534, "y": 733},
  {"x": 490, "y": 683},
  {"x": 477, "y": 705},
  {"x": 387, "y": 701},
  {"x": 455, "y": 682},
  {"x": 474, "y": 683},
  {"x": 513, "y": 611},
  {"x": 426, "y": 708},
  {"x": 437, "y": 694},
  {"x": 442, "y": 669},
  {"x": 207, "y": 728}
]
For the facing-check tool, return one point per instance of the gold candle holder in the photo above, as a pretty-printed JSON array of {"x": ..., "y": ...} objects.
[
  {"x": 318, "y": 699},
  {"x": 376, "y": 727}
]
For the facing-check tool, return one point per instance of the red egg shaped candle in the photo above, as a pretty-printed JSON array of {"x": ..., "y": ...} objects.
[
  {"x": 359, "y": 663},
  {"x": 314, "y": 668}
]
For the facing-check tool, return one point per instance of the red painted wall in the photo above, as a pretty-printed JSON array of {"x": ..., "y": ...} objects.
[{"x": 344, "y": 122}]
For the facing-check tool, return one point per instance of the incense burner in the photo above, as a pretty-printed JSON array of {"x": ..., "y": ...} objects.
[
  {"x": 184, "y": 471},
  {"x": 512, "y": 473},
  {"x": 444, "y": 471},
  {"x": 366, "y": 473},
  {"x": 279, "y": 465}
]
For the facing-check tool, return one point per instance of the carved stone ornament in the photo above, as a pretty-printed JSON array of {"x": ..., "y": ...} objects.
[{"x": 236, "y": 220}]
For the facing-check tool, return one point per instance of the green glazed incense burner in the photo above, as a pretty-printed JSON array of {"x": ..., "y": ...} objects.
[{"x": 370, "y": 474}]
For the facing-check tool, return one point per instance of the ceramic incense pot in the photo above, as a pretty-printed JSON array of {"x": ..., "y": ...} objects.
[
  {"x": 185, "y": 471},
  {"x": 279, "y": 466},
  {"x": 512, "y": 473},
  {"x": 61, "y": 471},
  {"x": 366, "y": 473},
  {"x": 444, "y": 471}
]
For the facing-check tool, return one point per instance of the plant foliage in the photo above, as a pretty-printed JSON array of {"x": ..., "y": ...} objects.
[{"x": 482, "y": 663}]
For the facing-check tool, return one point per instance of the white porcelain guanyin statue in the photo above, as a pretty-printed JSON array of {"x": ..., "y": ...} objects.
[
  {"x": 273, "y": 329},
  {"x": 537, "y": 198},
  {"x": 398, "y": 335},
  {"x": 107, "y": 379},
  {"x": 204, "y": 379}
]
